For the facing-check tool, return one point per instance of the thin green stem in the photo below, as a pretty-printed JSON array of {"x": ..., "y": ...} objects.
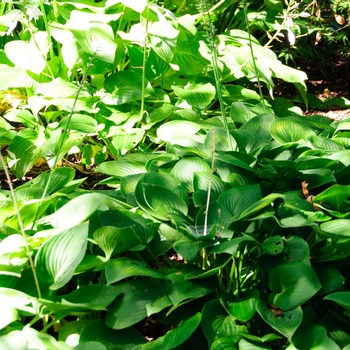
[
  {"x": 213, "y": 50},
  {"x": 144, "y": 66},
  {"x": 61, "y": 142},
  {"x": 42, "y": 8},
  {"x": 20, "y": 223},
  {"x": 252, "y": 53}
]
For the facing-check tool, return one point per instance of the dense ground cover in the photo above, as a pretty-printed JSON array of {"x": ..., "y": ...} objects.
[{"x": 222, "y": 219}]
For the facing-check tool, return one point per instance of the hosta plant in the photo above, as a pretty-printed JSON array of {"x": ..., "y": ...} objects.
[{"x": 224, "y": 214}]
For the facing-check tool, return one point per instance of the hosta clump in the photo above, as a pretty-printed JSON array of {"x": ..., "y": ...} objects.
[{"x": 226, "y": 228}]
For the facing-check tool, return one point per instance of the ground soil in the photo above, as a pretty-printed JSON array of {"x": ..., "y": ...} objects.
[{"x": 329, "y": 79}]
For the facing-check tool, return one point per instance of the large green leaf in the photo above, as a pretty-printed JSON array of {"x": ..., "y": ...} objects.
[
  {"x": 79, "y": 122},
  {"x": 130, "y": 308},
  {"x": 239, "y": 198},
  {"x": 289, "y": 130},
  {"x": 285, "y": 322},
  {"x": 126, "y": 86},
  {"x": 338, "y": 228},
  {"x": 244, "y": 307},
  {"x": 258, "y": 205},
  {"x": 77, "y": 210},
  {"x": 60, "y": 255},
  {"x": 218, "y": 216},
  {"x": 86, "y": 298},
  {"x": 23, "y": 153},
  {"x": 197, "y": 95},
  {"x": 313, "y": 337},
  {"x": 114, "y": 240},
  {"x": 185, "y": 169},
  {"x": 217, "y": 323},
  {"x": 341, "y": 298},
  {"x": 160, "y": 195},
  {"x": 182, "y": 290},
  {"x": 120, "y": 168},
  {"x": 8, "y": 314},
  {"x": 126, "y": 140},
  {"x": 174, "y": 338},
  {"x": 334, "y": 196},
  {"x": 96, "y": 39},
  {"x": 163, "y": 38},
  {"x": 292, "y": 285},
  {"x": 29, "y": 55},
  {"x": 97, "y": 330},
  {"x": 177, "y": 130},
  {"x": 21, "y": 116},
  {"x": 124, "y": 219},
  {"x": 120, "y": 268}
]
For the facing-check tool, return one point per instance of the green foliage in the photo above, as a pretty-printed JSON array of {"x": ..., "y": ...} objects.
[{"x": 224, "y": 217}]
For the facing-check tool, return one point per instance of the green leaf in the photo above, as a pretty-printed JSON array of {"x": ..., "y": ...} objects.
[
  {"x": 245, "y": 345},
  {"x": 240, "y": 198},
  {"x": 188, "y": 250},
  {"x": 289, "y": 130},
  {"x": 334, "y": 196},
  {"x": 176, "y": 337},
  {"x": 241, "y": 112},
  {"x": 217, "y": 323},
  {"x": 114, "y": 240},
  {"x": 57, "y": 88},
  {"x": 219, "y": 216},
  {"x": 331, "y": 280},
  {"x": 285, "y": 322},
  {"x": 121, "y": 268},
  {"x": 185, "y": 169},
  {"x": 77, "y": 210},
  {"x": 314, "y": 337},
  {"x": 126, "y": 140},
  {"x": 177, "y": 130},
  {"x": 163, "y": 38},
  {"x": 182, "y": 289},
  {"x": 8, "y": 314},
  {"x": 96, "y": 39},
  {"x": 160, "y": 195},
  {"x": 29, "y": 55},
  {"x": 292, "y": 285},
  {"x": 126, "y": 86},
  {"x": 197, "y": 95},
  {"x": 97, "y": 330},
  {"x": 244, "y": 307},
  {"x": 21, "y": 116},
  {"x": 124, "y": 219},
  {"x": 136, "y": 295},
  {"x": 273, "y": 245},
  {"x": 224, "y": 344},
  {"x": 338, "y": 228},
  {"x": 341, "y": 298},
  {"x": 120, "y": 168},
  {"x": 23, "y": 153},
  {"x": 79, "y": 122},
  {"x": 260, "y": 204},
  {"x": 60, "y": 255},
  {"x": 334, "y": 251},
  {"x": 86, "y": 298}
]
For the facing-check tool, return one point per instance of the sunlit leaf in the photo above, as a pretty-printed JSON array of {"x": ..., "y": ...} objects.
[
  {"x": 60, "y": 255},
  {"x": 289, "y": 130},
  {"x": 77, "y": 210},
  {"x": 197, "y": 95}
]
